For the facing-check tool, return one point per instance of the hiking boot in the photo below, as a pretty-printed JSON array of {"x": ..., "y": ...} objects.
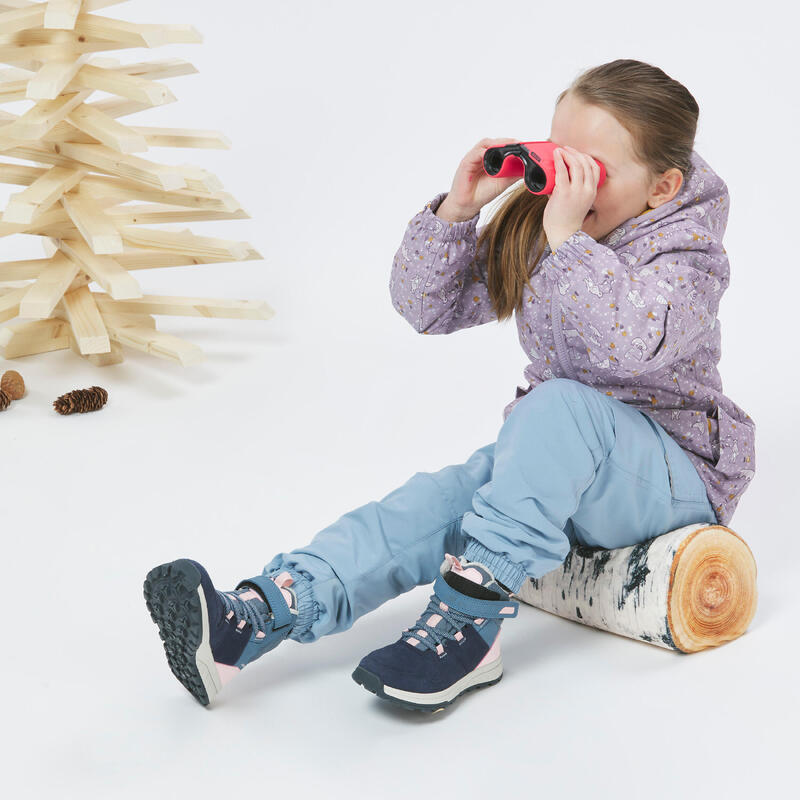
[
  {"x": 208, "y": 635},
  {"x": 454, "y": 646}
]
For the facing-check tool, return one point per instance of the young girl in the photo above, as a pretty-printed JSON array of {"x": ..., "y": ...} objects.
[{"x": 623, "y": 434}]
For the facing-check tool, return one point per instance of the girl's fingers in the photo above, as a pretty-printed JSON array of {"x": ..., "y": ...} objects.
[
  {"x": 561, "y": 170},
  {"x": 591, "y": 172},
  {"x": 591, "y": 180},
  {"x": 583, "y": 170},
  {"x": 585, "y": 158},
  {"x": 575, "y": 167}
]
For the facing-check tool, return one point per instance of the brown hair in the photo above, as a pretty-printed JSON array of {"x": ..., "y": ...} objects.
[{"x": 661, "y": 116}]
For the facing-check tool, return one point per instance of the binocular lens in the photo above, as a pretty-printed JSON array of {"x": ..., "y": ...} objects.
[{"x": 493, "y": 161}]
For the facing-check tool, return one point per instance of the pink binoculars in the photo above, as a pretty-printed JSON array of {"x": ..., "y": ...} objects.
[{"x": 531, "y": 160}]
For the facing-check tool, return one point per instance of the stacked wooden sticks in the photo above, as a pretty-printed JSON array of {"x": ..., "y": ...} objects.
[{"x": 77, "y": 201}]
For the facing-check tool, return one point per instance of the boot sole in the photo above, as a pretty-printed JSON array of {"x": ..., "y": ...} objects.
[
  {"x": 177, "y": 604},
  {"x": 434, "y": 701}
]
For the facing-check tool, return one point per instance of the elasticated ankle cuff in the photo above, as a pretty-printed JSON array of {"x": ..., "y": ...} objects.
[
  {"x": 506, "y": 572},
  {"x": 307, "y": 607}
]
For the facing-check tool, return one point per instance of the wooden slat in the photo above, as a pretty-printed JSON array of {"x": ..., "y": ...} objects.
[
  {"x": 186, "y": 306},
  {"x": 130, "y": 190},
  {"x": 88, "y": 5},
  {"x": 160, "y": 68},
  {"x": 87, "y": 324},
  {"x": 49, "y": 288},
  {"x": 199, "y": 179},
  {"x": 108, "y": 185},
  {"x": 159, "y": 213},
  {"x": 53, "y": 216},
  {"x": 99, "y": 232},
  {"x": 116, "y": 107},
  {"x": 9, "y": 303},
  {"x": 113, "y": 356},
  {"x": 61, "y": 14},
  {"x": 31, "y": 338},
  {"x": 43, "y": 153},
  {"x": 112, "y": 81},
  {"x": 81, "y": 279},
  {"x": 96, "y": 5},
  {"x": 106, "y": 271},
  {"x": 105, "y": 159},
  {"x": 9, "y": 287},
  {"x": 107, "y": 130},
  {"x": 135, "y": 34},
  {"x": 41, "y": 194},
  {"x": 151, "y": 259},
  {"x": 39, "y": 119},
  {"x": 22, "y": 18},
  {"x": 29, "y": 269},
  {"x": 53, "y": 78},
  {"x": 21, "y": 174},
  {"x": 121, "y": 320},
  {"x": 162, "y": 345},
  {"x": 184, "y": 242},
  {"x": 31, "y": 47},
  {"x": 24, "y": 269},
  {"x": 182, "y": 137}
]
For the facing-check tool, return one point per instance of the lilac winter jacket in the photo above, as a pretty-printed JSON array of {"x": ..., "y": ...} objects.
[{"x": 634, "y": 315}]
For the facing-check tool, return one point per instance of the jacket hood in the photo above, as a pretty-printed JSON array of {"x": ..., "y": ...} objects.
[{"x": 701, "y": 202}]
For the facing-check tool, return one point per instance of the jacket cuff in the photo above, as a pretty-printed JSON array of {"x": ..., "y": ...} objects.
[
  {"x": 569, "y": 251},
  {"x": 452, "y": 230}
]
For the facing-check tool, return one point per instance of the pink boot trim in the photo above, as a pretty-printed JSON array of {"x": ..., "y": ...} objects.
[
  {"x": 494, "y": 652},
  {"x": 226, "y": 671}
]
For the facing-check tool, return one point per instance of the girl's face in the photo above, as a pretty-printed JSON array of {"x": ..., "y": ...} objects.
[{"x": 626, "y": 192}]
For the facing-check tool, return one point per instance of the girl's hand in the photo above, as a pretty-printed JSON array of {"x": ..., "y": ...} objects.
[
  {"x": 573, "y": 195},
  {"x": 472, "y": 188}
]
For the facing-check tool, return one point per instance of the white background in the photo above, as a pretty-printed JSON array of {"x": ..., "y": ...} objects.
[{"x": 345, "y": 119}]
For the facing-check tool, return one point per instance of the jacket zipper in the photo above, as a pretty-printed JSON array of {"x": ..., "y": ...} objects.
[{"x": 558, "y": 335}]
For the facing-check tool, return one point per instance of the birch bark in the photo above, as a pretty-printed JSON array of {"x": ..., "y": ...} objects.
[{"x": 686, "y": 590}]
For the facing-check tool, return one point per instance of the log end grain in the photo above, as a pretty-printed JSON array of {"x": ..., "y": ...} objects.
[{"x": 712, "y": 593}]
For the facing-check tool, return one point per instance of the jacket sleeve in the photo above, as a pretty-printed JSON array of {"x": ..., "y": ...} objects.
[
  {"x": 436, "y": 282},
  {"x": 642, "y": 317}
]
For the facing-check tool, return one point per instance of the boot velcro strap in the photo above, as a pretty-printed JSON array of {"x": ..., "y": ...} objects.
[
  {"x": 275, "y": 598},
  {"x": 481, "y": 609}
]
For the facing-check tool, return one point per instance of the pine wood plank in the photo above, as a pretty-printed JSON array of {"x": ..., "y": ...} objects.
[
  {"x": 24, "y": 206},
  {"x": 87, "y": 324},
  {"x": 99, "y": 232},
  {"x": 42, "y": 296},
  {"x": 106, "y": 271}
]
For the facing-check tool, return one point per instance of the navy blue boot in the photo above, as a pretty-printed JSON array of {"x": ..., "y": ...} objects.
[
  {"x": 454, "y": 646},
  {"x": 208, "y": 635}
]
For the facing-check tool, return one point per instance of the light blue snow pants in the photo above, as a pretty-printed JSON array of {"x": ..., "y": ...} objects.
[{"x": 571, "y": 465}]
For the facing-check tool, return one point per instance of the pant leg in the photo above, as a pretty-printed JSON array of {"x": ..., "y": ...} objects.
[
  {"x": 575, "y": 465},
  {"x": 381, "y": 549}
]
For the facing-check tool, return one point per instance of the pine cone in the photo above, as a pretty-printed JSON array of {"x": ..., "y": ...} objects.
[
  {"x": 5, "y": 400},
  {"x": 81, "y": 400},
  {"x": 12, "y": 384}
]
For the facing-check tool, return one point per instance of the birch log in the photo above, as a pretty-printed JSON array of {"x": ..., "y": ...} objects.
[{"x": 686, "y": 590}]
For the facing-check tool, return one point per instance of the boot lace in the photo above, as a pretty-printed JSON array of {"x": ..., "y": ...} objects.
[
  {"x": 446, "y": 628},
  {"x": 243, "y": 609}
]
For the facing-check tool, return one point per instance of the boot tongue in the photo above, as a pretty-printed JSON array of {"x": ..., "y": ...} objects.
[
  {"x": 483, "y": 585},
  {"x": 469, "y": 587}
]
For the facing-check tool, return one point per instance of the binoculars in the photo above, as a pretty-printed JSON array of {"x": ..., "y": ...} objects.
[{"x": 531, "y": 160}]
